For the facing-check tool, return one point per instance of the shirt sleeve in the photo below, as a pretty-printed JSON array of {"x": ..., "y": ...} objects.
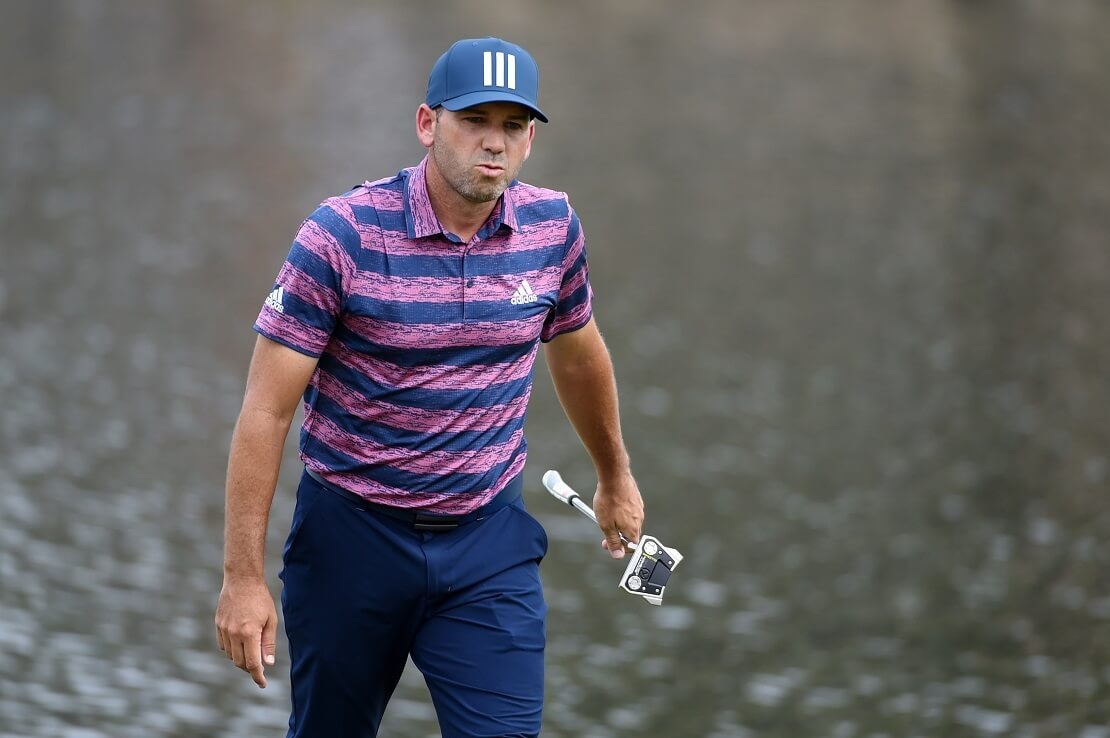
[
  {"x": 575, "y": 301},
  {"x": 308, "y": 296}
]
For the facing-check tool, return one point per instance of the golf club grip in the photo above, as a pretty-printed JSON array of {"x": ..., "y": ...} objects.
[{"x": 560, "y": 489}]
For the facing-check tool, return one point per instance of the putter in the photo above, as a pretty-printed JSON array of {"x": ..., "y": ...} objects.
[{"x": 651, "y": 562}]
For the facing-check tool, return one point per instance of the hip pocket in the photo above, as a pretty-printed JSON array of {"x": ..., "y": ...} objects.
[
  {"x": 308, "y": 494},
  {"x": 530, "y": 523}
]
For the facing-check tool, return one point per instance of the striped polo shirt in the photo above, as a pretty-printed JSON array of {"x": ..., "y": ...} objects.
[{"x": 426, "y": 344}]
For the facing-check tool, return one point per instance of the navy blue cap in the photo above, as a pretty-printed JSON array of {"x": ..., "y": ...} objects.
[{"x": 481, "y": 70}]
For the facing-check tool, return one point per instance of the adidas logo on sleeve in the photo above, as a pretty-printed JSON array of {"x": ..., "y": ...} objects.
[
  {"x": 274, "y": 301},
  {"x": 524, "y": 294}
]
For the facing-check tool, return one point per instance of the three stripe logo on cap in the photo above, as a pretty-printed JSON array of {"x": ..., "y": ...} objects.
[{"x": 496, "y": 75}]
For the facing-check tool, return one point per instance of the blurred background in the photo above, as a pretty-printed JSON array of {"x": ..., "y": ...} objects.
[{"x": 851, "y": 260}]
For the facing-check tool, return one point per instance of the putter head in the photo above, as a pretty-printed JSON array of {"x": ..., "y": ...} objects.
[
  {"x": 650, "y": 564},
  {"x": 649, "y": 569}
]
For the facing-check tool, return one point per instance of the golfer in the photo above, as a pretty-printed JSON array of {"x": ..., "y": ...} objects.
[{"x": 407, "y": 318}]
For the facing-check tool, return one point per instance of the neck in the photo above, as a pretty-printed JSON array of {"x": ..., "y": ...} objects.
[{"x": 455, "y": 213}]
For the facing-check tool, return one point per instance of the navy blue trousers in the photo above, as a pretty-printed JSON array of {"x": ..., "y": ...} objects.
[{"x": 364, "y": 591}]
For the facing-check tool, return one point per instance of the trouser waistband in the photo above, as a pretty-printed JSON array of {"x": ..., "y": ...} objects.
[{"x": 429, "y": 521}]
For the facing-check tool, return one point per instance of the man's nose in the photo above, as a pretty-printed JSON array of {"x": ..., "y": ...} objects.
[{"x": 494, "y": 141}]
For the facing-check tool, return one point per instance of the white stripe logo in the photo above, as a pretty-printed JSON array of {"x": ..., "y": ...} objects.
[
  {"x": 494, "y": 69},
  {"x": 524, "y": 294},
  {"x": 275, "y": 300}
]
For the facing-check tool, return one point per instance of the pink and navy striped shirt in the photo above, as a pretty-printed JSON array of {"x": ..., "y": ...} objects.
[{"x": 426, "y": 344}]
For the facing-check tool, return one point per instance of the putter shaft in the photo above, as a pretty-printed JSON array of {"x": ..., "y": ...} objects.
[{"x": 557, "y": 487}]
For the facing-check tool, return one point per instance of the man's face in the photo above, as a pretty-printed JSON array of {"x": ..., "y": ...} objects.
[{"x": 480, "y": 150}]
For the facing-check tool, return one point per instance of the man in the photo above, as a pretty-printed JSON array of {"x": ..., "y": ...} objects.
[{"x": 408, "y": 315}]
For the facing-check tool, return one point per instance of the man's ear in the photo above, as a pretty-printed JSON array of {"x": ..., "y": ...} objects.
[
  {"x": 531, "y": 137},
  {"x": 425, "y": 125}
]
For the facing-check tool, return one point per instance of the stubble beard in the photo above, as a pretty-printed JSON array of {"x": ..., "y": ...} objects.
[{"x": 471, "y": 186}]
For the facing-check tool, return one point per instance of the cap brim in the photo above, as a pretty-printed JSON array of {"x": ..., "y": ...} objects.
[{"x": 471, "y": 99}]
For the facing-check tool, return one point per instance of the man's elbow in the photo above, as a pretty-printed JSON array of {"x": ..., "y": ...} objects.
[{"x": 261, "y": 412}]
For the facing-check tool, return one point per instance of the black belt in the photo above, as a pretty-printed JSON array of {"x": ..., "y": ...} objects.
[{"x": 428, "y": 521}]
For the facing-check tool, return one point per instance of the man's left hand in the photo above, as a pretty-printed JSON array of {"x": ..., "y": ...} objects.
[{"x": 620, "y": 510}]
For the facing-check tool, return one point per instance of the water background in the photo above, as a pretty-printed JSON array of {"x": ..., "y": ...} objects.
[{"x": 851, "y": 260}]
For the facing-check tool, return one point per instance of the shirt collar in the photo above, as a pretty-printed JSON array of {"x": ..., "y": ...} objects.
[{"x": 421, "y": 220}]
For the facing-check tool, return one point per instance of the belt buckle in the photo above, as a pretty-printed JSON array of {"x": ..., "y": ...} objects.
[{"x": 435, "y": 523}]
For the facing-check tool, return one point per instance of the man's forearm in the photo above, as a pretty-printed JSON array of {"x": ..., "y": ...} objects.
[
  {"x": 587, "y": 391},
  {"x": 583, "y": 376},
  {"x": 252, "y": 473}
]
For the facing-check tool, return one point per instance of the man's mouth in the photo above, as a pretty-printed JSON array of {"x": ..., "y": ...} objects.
[{"x": 490, "y": 170}]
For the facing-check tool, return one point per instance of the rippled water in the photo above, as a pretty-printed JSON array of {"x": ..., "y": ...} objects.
[{"x": 852, "y": 264}]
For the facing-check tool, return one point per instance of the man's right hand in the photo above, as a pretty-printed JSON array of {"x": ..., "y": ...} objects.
[{"x": 246, "y": 625}]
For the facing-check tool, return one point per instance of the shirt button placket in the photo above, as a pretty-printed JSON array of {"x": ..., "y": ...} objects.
[{"x": 467, "y": 280}]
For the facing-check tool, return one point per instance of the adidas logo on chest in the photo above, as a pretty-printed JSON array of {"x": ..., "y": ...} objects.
[{"x": 524, "y": 294}]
